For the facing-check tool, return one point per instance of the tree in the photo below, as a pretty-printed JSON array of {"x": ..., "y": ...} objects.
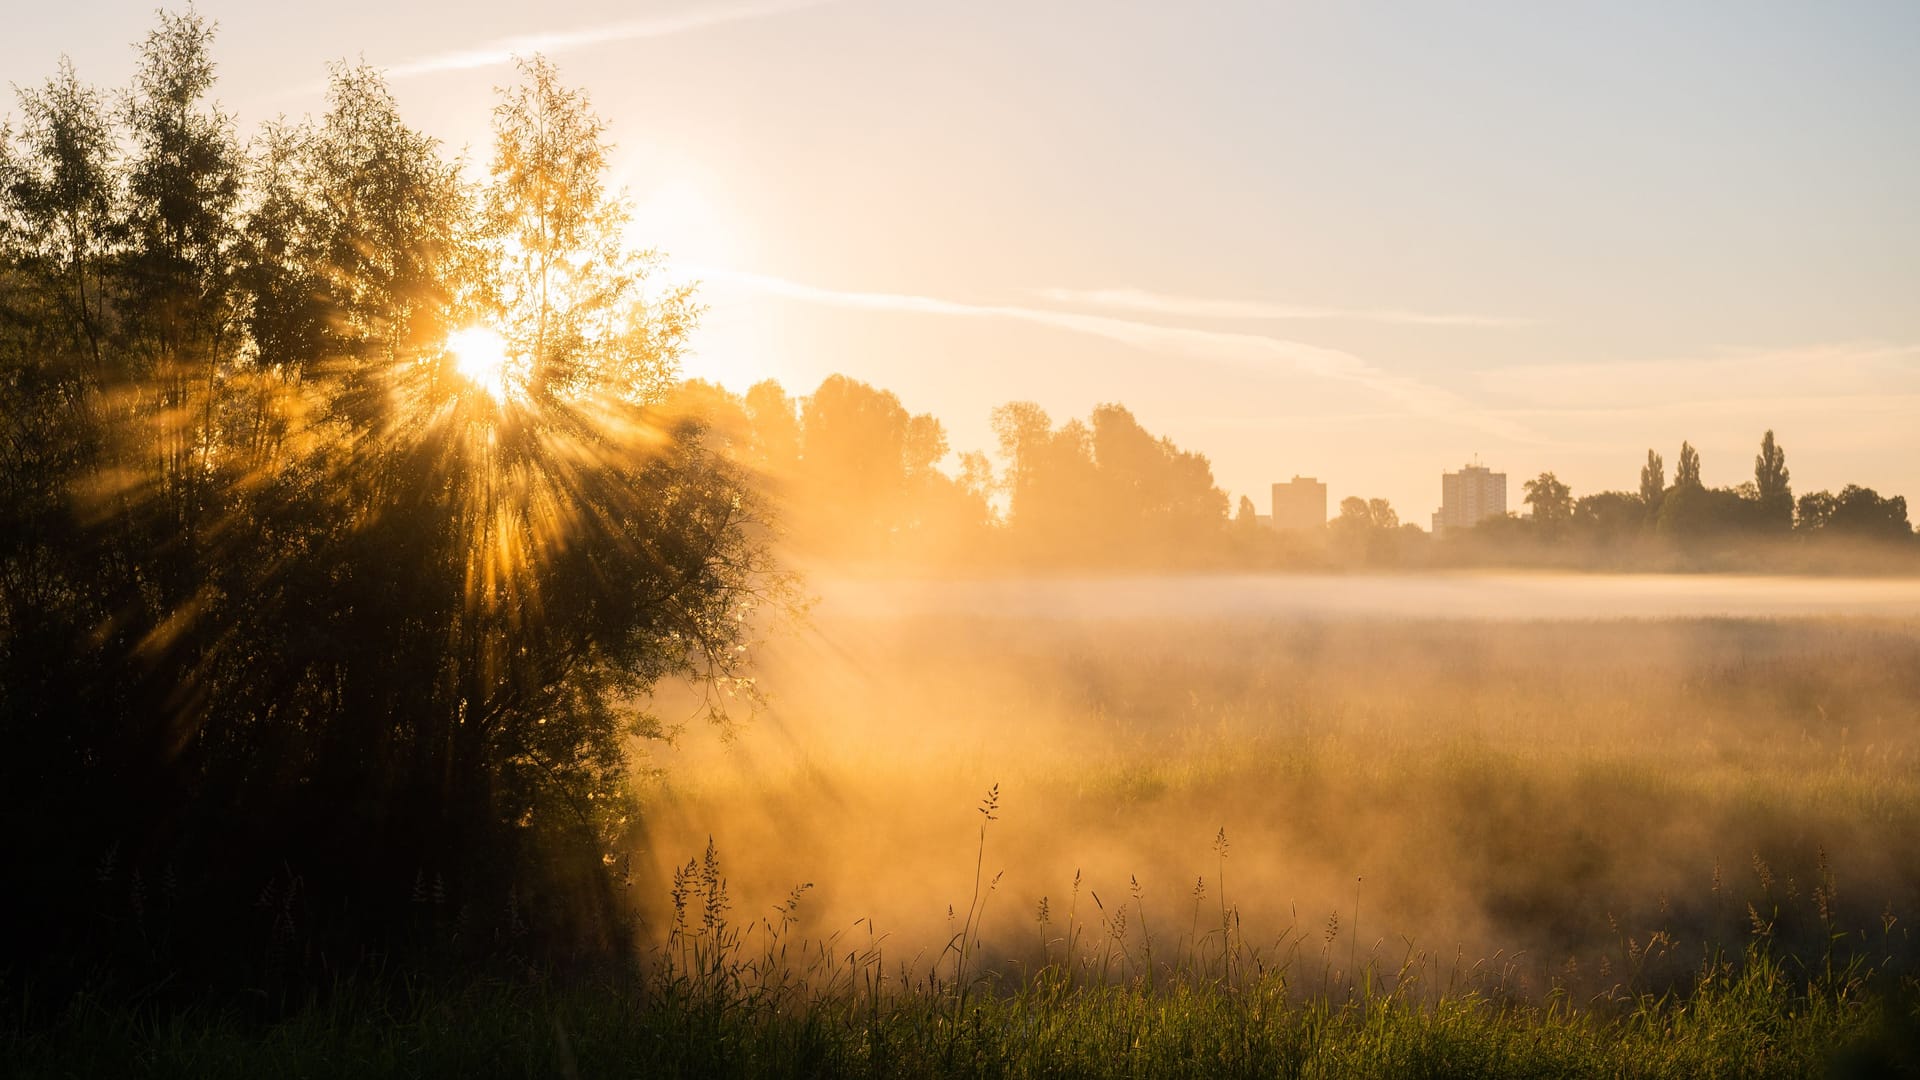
[
  {"x": 1368, "y": 529},
  {"x": 1050, "y": 480},
  {"x": 1157, "y": 495},
  {"x": 603, "y": 541},
  {"x": 1687, "y": 473},
  {"x": 1770, "y": 469},
  {"x": 573, "y": 293},
  {"x": 62, "y": 200},
  {"x": 362, "y": 252},
  {"x": 1856, "y": 512},
  {"x": 1246, "y": 519},
  {"x": 1381, "y": 515},
  {"x": 1813, "y": 511},
  {"x": 1023, "y": 430},
  {"x": 854, "y": 471},
  {"x": 924, "y": 446},
  {"x": 66, "y": 600},
  {"x": 976, "y": 475},
  {"x": 282, "y": 593},
  {"x": 776, "y": 430},
  {"x": 1694, "y": 513},
  {"x": 1608, "y": 517},
  {"x": 182, "y": 186},
  {"x": 1106, "y": 490},
  {"x": 1551, "y": 500},
  {"x": 867, "y": 482},
  {"x": 1653, "y": 483},
  {"x": 1770, "y": 479}
]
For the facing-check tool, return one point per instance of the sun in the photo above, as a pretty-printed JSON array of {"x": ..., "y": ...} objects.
[{"x": 480, "y": 354}]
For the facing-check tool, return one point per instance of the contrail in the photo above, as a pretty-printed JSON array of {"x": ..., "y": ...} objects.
[
  {"x": 1240, "y": 349},
  {"x": 1139, "y": 300},
  {"x": 504, "y": 50}
]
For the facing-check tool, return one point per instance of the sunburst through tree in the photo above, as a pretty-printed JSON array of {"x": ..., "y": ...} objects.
[{"x": 378, "y": 523}]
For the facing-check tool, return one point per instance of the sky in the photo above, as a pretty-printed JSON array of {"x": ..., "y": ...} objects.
[{"x": 1363, "y": 242}]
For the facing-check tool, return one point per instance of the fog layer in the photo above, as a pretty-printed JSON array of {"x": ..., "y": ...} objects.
[
  {"x": 1462, "y": 595},
  {"x": 1466, "y": 767}
]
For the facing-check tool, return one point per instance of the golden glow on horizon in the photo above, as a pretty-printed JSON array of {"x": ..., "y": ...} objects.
[{"x": 480, "y": 355}]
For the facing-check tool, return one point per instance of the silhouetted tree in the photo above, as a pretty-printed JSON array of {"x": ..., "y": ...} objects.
[
  {"x": 855, "y": 449},
  {"x": 1856, "y": 512},
  {"x": 280, "y": 594},
  {"x": 1694, "y": 512},
  {"x": 776, "y": 430},
  {"x": 1368, "y": 529},
  {"x": 1771, "y": 488},
  {"x": 62, "y": 201},
  {"x": 1813, "y": 511},
  {"x": 976, "y": 476},
  {"x": 1687, "y": 473},
  {"x": 1381, "y": 514},
  {"x": 865, "y": 480},
  {"x": 1024, "y": 431},
  {"x": 1354, "y": 513},
  {"x": 1770, "y": 468},
  {"x": 68, "y": 598},
  {"x": 1105, "y": 492},
  {"x": 1161, "y": 497},
  {"x": 182, "y": 185},
  {"x": 1551, "y": 500},
  {"x": 869, "y": 476},
  {"x": 1653, "y": 483},
  {"x": 1609, "y": 517}
]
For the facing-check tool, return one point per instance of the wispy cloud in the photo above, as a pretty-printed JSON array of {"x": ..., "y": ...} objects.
[
  {"x": 1256, "y": 351},
  {"x": 666, "y": 24},
  {"x": 1837, "y": 369},
  {"x": 1150, "y": 303}
]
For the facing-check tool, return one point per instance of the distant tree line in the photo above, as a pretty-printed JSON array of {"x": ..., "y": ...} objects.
[
  {"x": 1688, "y": 515},
  {"x": 858, "y": 479}
]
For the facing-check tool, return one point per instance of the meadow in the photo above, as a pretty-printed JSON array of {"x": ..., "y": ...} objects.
[
  {"x": 1552, "y": 789},
  {"x": 1178, "y": 839}
]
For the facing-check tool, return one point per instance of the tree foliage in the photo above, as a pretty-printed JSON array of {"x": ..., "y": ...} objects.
[
  {"x": 1106, "y": 491},
  {"x": 1551, "y": 500},
  {"x": 284, "y": 596},
  {"x": 1770, "y": 469},
  {"x": 1771, "y": 490},
  {"x": 1686, "y": 474},
  {"x": 1653, "y": 482},
  {"x": 1856, "y": 512}
]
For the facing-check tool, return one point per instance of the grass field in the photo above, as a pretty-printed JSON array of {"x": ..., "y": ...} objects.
[
  {"x": 1554, "y": 789},
  {"x": 1762, "y": 1022},
  {"x": 1202, "y": 845}
]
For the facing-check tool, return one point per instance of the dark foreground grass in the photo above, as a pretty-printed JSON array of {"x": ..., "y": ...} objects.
[{"x": 1759, "y": 1022}]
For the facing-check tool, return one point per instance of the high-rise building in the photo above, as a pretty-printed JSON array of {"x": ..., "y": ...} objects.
[
  {"x": 1470, "y": 496},
  {"x": 1300, "y": 503}
]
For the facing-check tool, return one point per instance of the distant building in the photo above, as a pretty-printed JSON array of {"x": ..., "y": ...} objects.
[
  {"x": 1300, "y": 503},
  {"x": 1470, "y": 496}
]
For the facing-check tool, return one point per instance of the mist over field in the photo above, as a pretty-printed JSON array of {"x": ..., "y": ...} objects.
[
  {"x": 1532, "y": 773},
  {"x": 1465, "y": 595}
]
